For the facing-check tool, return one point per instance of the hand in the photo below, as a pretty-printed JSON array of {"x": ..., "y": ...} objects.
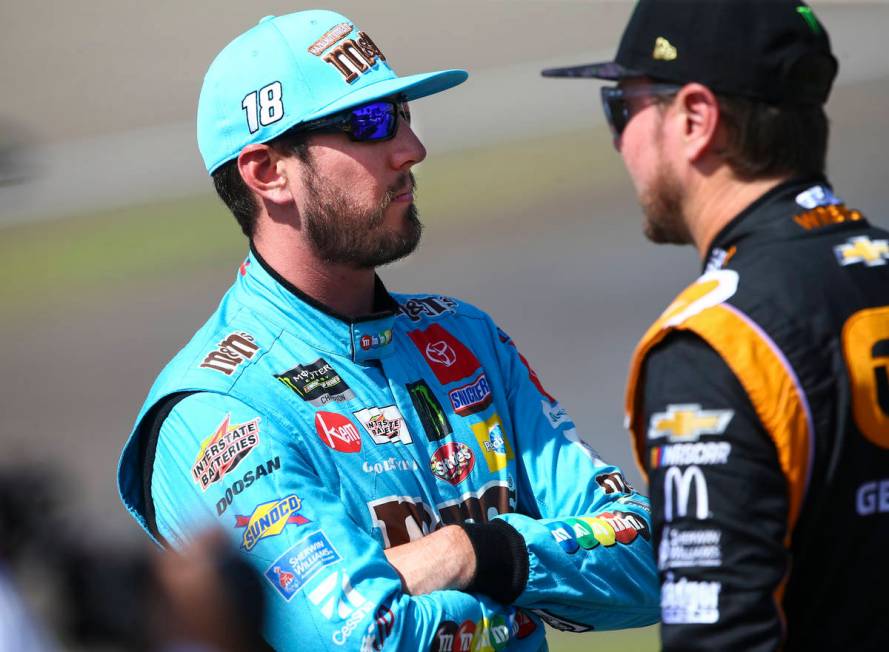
[{"x": 441, "y": 560}]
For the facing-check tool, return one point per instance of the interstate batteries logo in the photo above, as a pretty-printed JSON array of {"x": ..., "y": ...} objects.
[
  {"x": 385, "y": 425},
  {"x": 318, "y": 383},
  {"x": 223, "y": 450},
  {"x": 269, "y": 520}
]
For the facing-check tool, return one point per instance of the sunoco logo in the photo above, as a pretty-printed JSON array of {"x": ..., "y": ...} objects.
[
  {"x": 269, "y": 520},
  {"x": 222, "y": 451}
]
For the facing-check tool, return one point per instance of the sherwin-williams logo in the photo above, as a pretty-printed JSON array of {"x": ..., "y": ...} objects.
[
  {"x": 230, "y": 353},
  {"x": 448, "y": 358},
  {"x": 318, "y": 383},
  {"x": 493, "y": 442},
  {"x": 303, "y": 561},
  {"x": 385, "y": 425},
  {"x": 432, "y": 416},
  {"x": 223, "y": 450},
  {"x": 683, "y": 423},
  {"x": 472, "y": 397},
  {"x": 337, "y": 432},
  {"x": 452, "y": 462},
  {"x": 269, "y": 520}
]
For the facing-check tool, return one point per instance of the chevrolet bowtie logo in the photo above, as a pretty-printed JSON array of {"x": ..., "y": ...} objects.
[
  {"x": 663, "y": 50},
  {"x": 688, "y": 422},
  {"x": 863, "y": 250}
]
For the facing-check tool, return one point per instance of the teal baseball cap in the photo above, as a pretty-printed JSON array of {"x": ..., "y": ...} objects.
[{"x": 292, "y": 69}]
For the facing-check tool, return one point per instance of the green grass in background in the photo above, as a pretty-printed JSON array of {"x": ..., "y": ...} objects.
[{"x": 60, "y": 262}]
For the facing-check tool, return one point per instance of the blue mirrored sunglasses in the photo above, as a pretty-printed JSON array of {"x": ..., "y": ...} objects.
[
  {"x": 618, "y": 111},
  {"x": 372, "y": 122}
]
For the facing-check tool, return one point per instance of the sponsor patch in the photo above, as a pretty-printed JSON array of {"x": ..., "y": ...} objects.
[
  {"x": 379, "y": 630},
  {"x": 381, "y": 339},
  {"x": 432, "y": 416},
  {"x": 391, "y": 464},
  {"x": 678, "y": 484},
  {"x": 354, "y": 57},
  {"x": 269, "y": 520},
  {"x": 337, "y": 432},
  {"x": 872, "y": 498},
  {"x": 493, "y": 443},
  {"x": 472, "y": 397},
  {"x": 861, "y": 249},
  {"x": 815, "y": 196},
  {"x": 318, "y": 383},
  {"x": 230, "y": 353},
  {"x": 430, "y": 307},
  {"x": 686, "y": 602},
  {"x": 555, "y": 414},
  {"x": 701, "y": 453},
  {"x": 238, "y": 486},
  {"x": 822, "y": 216},
  {"x": 448, "y": 358},
  {"x": 305, "y": 559},
  {"x": 338, "y": 601},
  {"x": 385, "y": 425},
  {"x": 687, "y": 422},
  {"x": 606, "y": 529},
  {"x": 493, "y": 498},
  {"x": 334, "y": 35},
  {"x": 689, "y": 548},
  {"x": 452, "y": 462},
  {"x": 614, "y": 483},
  {"x": 222, "y": 451}
]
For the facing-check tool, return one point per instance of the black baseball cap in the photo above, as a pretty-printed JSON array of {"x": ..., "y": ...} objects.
[{"x": 774, "y": 51}]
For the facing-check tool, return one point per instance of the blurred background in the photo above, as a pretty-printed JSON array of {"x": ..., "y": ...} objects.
[{"x": 114, "y": 248}]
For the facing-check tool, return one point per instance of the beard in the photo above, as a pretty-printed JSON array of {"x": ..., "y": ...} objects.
[
  {"x": 662, "y": 206},
  {"x": 344, "y": 233}
]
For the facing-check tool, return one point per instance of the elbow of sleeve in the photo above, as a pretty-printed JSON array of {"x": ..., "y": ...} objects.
[{"x": 502, "y": 563}]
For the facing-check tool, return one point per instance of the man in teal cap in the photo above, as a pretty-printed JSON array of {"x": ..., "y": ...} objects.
[{"x": 388, "y": 463}]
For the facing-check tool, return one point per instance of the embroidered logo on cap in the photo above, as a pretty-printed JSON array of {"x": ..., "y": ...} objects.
[{"x": 664, "y": 50}]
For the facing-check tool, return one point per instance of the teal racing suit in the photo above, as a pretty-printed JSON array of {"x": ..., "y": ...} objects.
[{"x": 317, "y": 441}]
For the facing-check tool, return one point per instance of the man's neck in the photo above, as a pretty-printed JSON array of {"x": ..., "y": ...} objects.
[
  {"x": 717, "y": 201},
  {"x": 345, "y": 290}
]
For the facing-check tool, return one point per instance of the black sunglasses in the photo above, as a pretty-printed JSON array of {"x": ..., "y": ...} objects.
[
  {"x": 372, "y": 122},
  {"x": 616, "y": 107}
]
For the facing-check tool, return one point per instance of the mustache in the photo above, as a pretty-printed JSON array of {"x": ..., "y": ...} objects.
[{"x": 406, "y": 183}]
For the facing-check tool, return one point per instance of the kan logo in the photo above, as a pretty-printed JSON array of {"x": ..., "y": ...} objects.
[
  {"x": 337, "y": 432},
  {"x": 448, "y": 358}
]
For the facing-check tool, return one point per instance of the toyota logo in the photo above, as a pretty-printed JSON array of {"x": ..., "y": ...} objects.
[{"x": 441, "y": 353}]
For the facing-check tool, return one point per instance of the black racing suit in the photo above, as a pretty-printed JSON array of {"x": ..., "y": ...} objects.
[{"x": 759, "y": 406}]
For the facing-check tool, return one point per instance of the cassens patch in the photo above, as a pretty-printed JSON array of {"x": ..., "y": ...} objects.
[
  {"x": 448, "y": 358},
  {"x": 337, "y": 432}
]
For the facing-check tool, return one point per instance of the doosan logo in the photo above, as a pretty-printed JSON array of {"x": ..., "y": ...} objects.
[{"x": 337, "y": 432}]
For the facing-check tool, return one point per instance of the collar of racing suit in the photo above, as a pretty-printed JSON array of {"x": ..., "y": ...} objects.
[
  {"x": 770, "y": 215},
  {"x": 363, "y": 339}
]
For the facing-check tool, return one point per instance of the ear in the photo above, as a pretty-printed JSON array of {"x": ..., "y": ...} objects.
[
  {"x": 698, "y": 112},
  {"x": 263, "y": 170}
]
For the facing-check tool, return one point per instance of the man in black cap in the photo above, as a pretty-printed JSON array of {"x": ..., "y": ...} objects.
[{"x": 759, "y": 401}]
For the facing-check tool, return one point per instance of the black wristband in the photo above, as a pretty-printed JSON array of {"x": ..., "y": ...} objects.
[{"x": 502, "y": 566}]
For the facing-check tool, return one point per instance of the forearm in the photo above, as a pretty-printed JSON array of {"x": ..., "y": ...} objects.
[{"x": 442, "y": 560}]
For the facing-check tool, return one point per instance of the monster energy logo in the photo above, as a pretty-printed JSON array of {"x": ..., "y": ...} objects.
[
  {"x": 809, "y": 16},
  {"x": 434, "y": 420}
]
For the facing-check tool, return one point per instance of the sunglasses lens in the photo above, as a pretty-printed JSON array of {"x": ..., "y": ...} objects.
[
  {"x": 374, "y": 121},
  {"x": 615, "y": 108}
]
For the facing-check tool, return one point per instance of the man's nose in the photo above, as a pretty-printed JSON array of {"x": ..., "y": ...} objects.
[{"x": 407, "y": 150}]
